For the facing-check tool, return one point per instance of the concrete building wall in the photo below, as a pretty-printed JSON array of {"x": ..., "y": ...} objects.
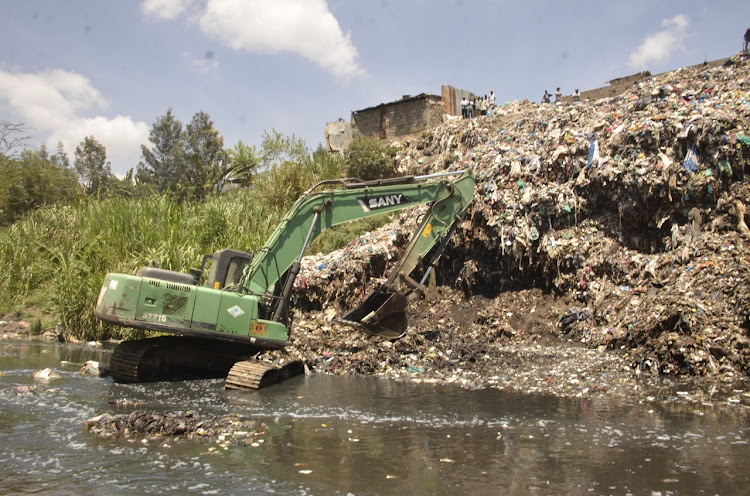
[
  {"x": 401, "y": 118},
  {"x": 410, "y": 115}
]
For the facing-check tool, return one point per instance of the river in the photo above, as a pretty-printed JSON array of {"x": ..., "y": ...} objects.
[{"x": 357, "y": 436}]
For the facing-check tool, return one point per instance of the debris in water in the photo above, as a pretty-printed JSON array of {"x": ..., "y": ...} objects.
[
  {"x": 45, "y": 374},
  {"x": 228, "y": 430}
]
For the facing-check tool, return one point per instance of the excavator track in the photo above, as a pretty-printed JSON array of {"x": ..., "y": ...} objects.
[
  {"x": 168, "y": 358},
  {"x": 126, "y": 359},
  {"x": 255, "y": 374}
]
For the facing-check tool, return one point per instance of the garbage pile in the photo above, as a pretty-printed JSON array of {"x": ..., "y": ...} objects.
[
  {"x": 170, "y": 427},
  {"x": 626, "y": 216}
]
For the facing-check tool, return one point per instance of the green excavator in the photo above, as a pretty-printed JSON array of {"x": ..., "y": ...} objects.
[{"x": 218, "y": 318}]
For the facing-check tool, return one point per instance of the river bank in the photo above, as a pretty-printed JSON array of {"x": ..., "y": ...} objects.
[{"x": 525, "y": 351}]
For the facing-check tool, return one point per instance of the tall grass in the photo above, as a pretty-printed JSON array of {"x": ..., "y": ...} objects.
[{"x": 55, "y": 259}]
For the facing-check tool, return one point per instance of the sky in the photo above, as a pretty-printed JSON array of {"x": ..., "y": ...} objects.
[{"x": 111, "y": 68}]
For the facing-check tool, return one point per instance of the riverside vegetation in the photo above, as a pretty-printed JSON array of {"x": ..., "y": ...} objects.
[{"x": 57, "y": 245}]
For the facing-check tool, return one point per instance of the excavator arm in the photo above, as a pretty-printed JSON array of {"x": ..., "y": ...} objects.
[{"x": 315, "y": 212}]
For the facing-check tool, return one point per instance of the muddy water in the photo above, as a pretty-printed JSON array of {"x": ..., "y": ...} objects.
[{"x": 331, "y": 435}]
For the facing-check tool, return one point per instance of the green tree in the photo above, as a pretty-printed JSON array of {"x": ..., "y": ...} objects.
[
  {"x": 208, "y": 162},
  {"x": 60, "y": 159},
  {"x": 164, "y": 164},
  {"x": 244, "y": 162},
  {"x": 370, "y": 158},
  {"x": 186, "y": 163},
  {"x": 289, "y": 169},
  {"x": 31, "y": 181},
  {"x": 277, "y": 149},
  {"x": 91, "y": 165},
  {"x": 127, "y": 187},
  {"x": 328, "y": 165}
]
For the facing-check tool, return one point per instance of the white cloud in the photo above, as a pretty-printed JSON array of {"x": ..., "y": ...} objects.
[
  {"x": 659, "y": 46},
  {"x": 48, "y": 99},
  {"x": 120, "y": 135},
  {"x": 165, "y": 9},
  {"x": 59, "y": 105},
  {"x": 304, "y": 27}
]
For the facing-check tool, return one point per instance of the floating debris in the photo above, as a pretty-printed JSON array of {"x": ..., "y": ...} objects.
[
  {"x": 45, "y": 375},
  {"x": 153, "y": 426}
]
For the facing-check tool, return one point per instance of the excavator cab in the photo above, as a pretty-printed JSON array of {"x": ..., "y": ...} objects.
[{"x": 226, "y": 267}]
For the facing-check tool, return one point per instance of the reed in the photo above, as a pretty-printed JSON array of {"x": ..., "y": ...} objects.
[{"x": 54, "y": 259}]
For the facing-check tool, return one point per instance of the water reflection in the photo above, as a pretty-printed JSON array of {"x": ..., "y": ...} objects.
[{"x": 364, "y": 436}]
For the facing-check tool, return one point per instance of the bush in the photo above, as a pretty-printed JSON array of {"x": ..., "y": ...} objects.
[
  {"x": 370, "y": 158},
  {"x": 55, "y": 257},
  {"x": 30, "y": 182}
]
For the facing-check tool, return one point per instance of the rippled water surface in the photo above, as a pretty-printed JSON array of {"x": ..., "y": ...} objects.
[{"x": 332, "y": 435}]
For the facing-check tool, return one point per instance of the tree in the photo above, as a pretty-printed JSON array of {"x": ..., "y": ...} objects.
[
  {"x": 164, "y": 164},
  {"x": 187, "y": 163},
  {"x": 31, "y": 181},
  {"x": 208, "y": 164},
  {"x": 370, "y": 158},
  {"x": 328, "y": 165},
  {"x": 278, "y": 149},
  {"x": 60, "y": 159},
  {"x": 91, "y": 165},
  {"x": 10, "y": 141},
  {"x": 244, "y": 162}
]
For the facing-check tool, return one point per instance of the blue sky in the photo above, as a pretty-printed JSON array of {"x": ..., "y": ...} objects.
[{"x": 107, "y": 68}]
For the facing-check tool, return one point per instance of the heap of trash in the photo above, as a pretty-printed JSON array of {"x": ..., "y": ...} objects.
[
  {"x": 621, "y": 220},
  {"x": 145, "y": 426}
]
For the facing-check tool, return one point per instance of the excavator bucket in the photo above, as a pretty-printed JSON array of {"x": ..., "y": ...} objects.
[{"x": 383, "y": 313}]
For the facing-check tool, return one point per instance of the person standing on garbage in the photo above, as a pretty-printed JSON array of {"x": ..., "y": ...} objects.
[
  {"x": 465, "y": 107},
  {"x": 545, "y": 98},
  {"x": 558, "y": 94},
  {"x": 576, "y": 96},
  {"x": 471, "y": 108},
  {"x": 483, "y": 105},
  {"x": 492, "y": 99},
  {"x": 747, "y": 40}
]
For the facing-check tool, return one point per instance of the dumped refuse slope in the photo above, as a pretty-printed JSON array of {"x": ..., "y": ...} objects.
[{"x": 618, "y": 225}]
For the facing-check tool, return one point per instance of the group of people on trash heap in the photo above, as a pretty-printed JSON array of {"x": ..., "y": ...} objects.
[
  {"x": 558, "y": 96},
  {"x": 470, "y": 108},
  {"x": 480, "y": 106}
]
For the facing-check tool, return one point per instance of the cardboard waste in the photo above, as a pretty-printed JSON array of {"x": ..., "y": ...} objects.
[{"x": 626, "y": 215}]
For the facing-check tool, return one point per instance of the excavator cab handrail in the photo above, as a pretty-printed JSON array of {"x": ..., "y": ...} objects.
[{"x": 355, "y": 182}]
